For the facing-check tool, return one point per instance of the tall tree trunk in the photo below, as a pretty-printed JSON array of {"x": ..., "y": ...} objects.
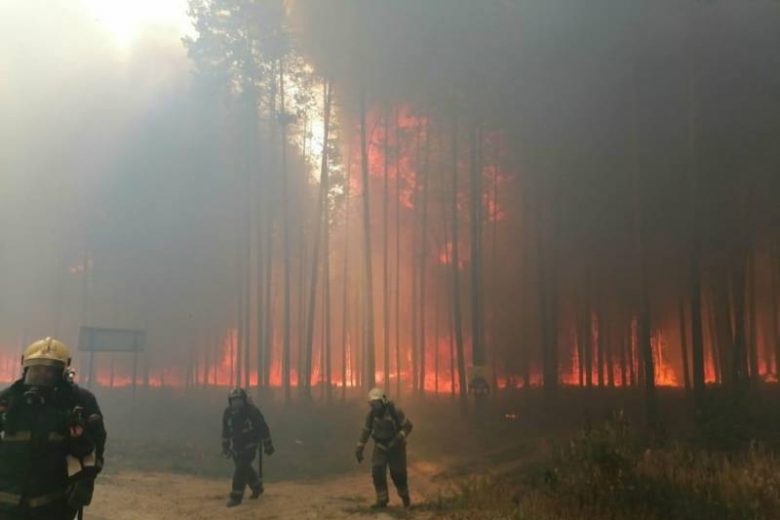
[
  {"x": 345, "y": 338},
  {"x": 525, "y": 287},
  {"x": 494, "y": 286},
  {"x": 370, "y": 363},
  {"x": 262, "y": 302},
  {"x": 385, "y": 254},
  {"x": 321, "y": 212},
  {"x": 237, "y": 373},
  {"x": 683, "y": 342},
  {"x": 644, "y": 328},
  {"x": 455, "y": 263},
  {"x": 477, "y": 347},
  {"x": 414, "y": 293},
  {"x": 630, "y": 349},
  {"x": 587, "y": 342},
  {"x": 712, "y": 329},
  {"x": 739, "y": 358},
  {"x": 436, "y": 318},
  {"x": 620, "y": 333},
  {"x": 607, "y": 341},
  {"x": 722, "y": 327},
  {"x": 695, "y": 270},
  {"x": 286, "y": 344},
  {"x": 599, "y": 346},
  {"x": 547, "y": 282},
  {"x": 775, "y": 308},
  {"x": 752, "y": 328},
  {"x": 397, "y": 254},
  {"x": 327, "y": 314},
  {"x": 423, "y": 256}
]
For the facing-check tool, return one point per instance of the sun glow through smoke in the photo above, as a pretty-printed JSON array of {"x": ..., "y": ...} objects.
[{"x": 127, "y": 20}]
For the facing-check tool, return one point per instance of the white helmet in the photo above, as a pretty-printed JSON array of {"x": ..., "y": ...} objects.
[{"x": 377, "y": 394}]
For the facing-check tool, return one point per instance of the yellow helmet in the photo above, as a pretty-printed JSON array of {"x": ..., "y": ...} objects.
[
  {"x": 47, "y": 351},
  {"x": 377, "y": 394}
]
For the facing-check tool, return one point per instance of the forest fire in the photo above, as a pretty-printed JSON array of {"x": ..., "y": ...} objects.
[{"x": 529, "y": 249}]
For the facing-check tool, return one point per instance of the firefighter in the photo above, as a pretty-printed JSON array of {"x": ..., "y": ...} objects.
[
  {"x": 389, "y": 427},
  {"x": 243, "y": 429},
  {"x": 51, "y": 439}
]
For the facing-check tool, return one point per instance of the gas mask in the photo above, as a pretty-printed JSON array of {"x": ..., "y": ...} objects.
[
  {"x": 236, "y": 404},
  {"x": 42, "y": 376},
  {"x": 39, "y": 380},
  {"x": 377, "y": 407},
  {"x": 34, "y": 396}
]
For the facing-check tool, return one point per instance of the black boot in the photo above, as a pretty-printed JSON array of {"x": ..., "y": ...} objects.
[
  {"x": 406, "y": 500},
  {"x": 380, "y": 504},
  {"x": 257, "y": 491},
  {"x": 233, "y": 501}
]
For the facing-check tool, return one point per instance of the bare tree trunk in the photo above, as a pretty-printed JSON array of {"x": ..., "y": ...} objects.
[
  {"x": 684, "y": 342},
  {"x": 739, "y": 358},
  {"x": 525, "y": 283},
  {"x": 494, "y": 287},
  {"x": 775, "y": 308},
  {"x": 397, "y": 255},
  {"x": 370, "y": 363},
  {"x": 477, "y": 347},
  {"x": 457, "y": 316},
  {"x": 644, "y": 328},
  {"x": 546, "y": 267},
  {"x": 630, "y": 348},
  {"x": 600, "y": 346},
  {"x": 321, "y": 213},
  {"x": 286, "y": 345},
  {"x": 609, "y": 344},
  {"x": 752, "y": 336},
  {"x": 345, "y": 339},
  {"x": 436, "y": 318},
  {"x": 587, "y": 342},
  {"x": 262, "y": 302},
  {"x": 623, "y": 357},
  {"x": 694, "y": 280},
  {"x": 327, "y": 324},
  {"x": 415, "y": 316},
  {"x": 723, "y": 338},
  {"x": 423, "y": 256},
  {"x": 385, "y": 255}
]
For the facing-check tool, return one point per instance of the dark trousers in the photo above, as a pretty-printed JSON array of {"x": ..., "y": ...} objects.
[
  {"x": 395, "y": 459},
  {"x": 56, "y": 511},
  {"x": 244, "y": 474}
]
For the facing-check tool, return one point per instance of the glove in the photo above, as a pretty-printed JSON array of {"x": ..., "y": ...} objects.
[
  {"x": 80, "y": 493},
  {"x": 268, "y": 448},
  {"x": 226, "y": 449},
  {"x": 359, "y": 454}
]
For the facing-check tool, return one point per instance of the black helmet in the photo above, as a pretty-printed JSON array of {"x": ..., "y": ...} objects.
[{"x": 237, "y": 393}]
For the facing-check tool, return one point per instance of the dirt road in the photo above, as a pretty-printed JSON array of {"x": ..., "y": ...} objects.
[{"x": 166, "y": 496}]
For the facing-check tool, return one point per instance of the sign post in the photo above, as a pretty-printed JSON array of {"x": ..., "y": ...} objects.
[{"x": 96, "y": 339}]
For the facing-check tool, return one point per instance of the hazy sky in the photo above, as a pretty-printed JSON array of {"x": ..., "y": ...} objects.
[{"x": 82, "y": 84}]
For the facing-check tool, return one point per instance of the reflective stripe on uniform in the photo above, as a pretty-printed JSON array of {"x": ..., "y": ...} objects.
[
  {"x": 10, "y": 498},
  {"x": 17, "y": 436},
  {"x": 89, "y": 460},
  {"x": 43, "y": 500},
  {"x": 56, "y": 437},
  {"x": 74, "y": 465}
]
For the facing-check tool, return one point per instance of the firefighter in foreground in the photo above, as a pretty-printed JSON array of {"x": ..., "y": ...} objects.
[
  {"x": 389, "y": 427},
  {"x": 243, "y": 429},
  {"x": 51, "y": 439}
]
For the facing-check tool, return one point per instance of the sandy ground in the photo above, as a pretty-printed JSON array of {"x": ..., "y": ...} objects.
[{"x": 163, "y": 496}]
